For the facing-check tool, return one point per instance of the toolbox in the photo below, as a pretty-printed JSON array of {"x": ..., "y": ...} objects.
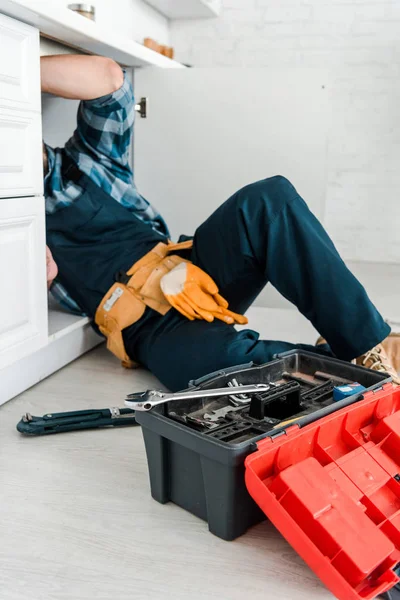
[
  {"x": 202, "y": 469},
  {"x": 329, "y": 481}
]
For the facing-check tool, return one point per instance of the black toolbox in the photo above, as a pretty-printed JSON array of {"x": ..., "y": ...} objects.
[{"x": 196, "y": 448}]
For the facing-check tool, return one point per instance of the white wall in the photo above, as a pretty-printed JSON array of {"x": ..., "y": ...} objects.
[
  {"x": 131, "y": 18},
  {"x": 359, "y": 42}
]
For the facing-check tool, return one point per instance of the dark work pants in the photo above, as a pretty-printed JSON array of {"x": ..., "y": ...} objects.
[{"x": 264, "y": 233}]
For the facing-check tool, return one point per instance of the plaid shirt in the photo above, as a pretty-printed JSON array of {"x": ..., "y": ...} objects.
[{"x": 100, "y": 146}]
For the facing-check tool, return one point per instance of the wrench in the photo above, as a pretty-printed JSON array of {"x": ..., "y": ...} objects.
[
  {"x": 144, "y": 401},
  {"x": 240, "y": 398},
  {"x": 220, "y": 413}
]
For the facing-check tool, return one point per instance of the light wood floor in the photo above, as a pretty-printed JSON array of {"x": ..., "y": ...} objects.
[{"x": 77, "y": 521}]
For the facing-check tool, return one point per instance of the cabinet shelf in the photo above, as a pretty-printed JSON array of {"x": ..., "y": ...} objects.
[
  {"x": 62, "y": 323},
  {"x": 64, "y": 25},
  {"x": 187, "y": 9}
]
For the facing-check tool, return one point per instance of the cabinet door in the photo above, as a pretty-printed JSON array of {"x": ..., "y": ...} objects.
[
  {"x": 23, "y": 298},
  {"x": 19, "y": 65},
  {"x": 21, "y": 168},
  {"x": 211, "y": 131}
]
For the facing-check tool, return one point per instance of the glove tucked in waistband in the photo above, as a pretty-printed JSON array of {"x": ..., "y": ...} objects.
[
  {"x": 160, "y": 280},
  {"x": 195, "y": 295}
]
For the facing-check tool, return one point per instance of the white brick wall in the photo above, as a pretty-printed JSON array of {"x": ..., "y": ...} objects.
[{"x": 359, "y": 42}]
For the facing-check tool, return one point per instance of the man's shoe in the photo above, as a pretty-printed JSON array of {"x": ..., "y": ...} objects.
[
  {"x": 392, "y": 348},
  {"x": 384, "y": 358},
  {"x": 377, "y": 359}
]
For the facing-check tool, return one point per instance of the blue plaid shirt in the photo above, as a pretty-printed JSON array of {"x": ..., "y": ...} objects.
[{"x": 100, "y": 146}]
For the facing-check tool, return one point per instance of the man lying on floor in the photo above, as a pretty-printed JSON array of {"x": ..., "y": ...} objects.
[{"x": 165, "y": 306}]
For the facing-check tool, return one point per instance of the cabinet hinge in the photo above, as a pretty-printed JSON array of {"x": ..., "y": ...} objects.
[{"x": 142, "y": 107}]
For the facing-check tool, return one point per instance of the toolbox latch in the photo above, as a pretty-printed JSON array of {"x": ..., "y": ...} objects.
[
  {"x": 289, "y": 431},
  {"x": 292, "y": 429}
]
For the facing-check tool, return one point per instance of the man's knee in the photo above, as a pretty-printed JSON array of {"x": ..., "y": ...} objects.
[
  {"x": 274, "y": 189},
  {"x": 268, "y": 195}
]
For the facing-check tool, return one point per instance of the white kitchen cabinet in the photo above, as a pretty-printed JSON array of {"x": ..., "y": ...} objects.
[
  {"x": 19, "y": 65},
  {"x": 187, "y": 9},
  {"x": 21, "y": 166},
  {"x": 23, "y": 303},
  {"x": 23, "y": 297},
  {"x": 21, "y": 171},
  {"x": 59, "y": 23}
]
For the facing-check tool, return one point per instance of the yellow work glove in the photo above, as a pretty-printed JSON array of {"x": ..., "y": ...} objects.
[{"x": 195, "y": 295}]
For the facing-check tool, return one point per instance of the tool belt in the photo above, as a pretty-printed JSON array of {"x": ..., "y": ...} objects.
[{"x": 126, "y": 301}]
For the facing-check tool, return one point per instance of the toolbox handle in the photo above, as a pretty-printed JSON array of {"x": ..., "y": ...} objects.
[{"x": 196, "y": 382}]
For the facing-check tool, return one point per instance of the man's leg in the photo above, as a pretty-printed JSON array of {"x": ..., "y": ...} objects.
[
  {"x": 266, "y": 233},
  {"x": 177, "y": 350}
]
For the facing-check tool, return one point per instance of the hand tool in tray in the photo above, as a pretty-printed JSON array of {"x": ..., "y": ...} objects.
[{"x": 144, "y": 401}]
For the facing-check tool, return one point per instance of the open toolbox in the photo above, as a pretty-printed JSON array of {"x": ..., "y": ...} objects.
[
  {"x": 329, "y": 481},
  {"x": 202, "y": 470}
]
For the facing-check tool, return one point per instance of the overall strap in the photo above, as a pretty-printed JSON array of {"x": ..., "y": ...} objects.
[{"x": 70, "y": 169}]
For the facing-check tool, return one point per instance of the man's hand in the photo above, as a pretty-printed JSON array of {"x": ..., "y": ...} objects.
[
  {"x": 79, "y": 77},
  {"x": 51, "y": 267}
]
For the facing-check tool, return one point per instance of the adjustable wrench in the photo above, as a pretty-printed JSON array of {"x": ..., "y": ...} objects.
[{"x": 144, "y": 401}]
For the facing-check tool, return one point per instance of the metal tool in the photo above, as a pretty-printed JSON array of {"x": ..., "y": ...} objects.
[
  {"x": 195, "y": 422},
  {"x": 76, "y": 420},
  {"x": 238, "y": 399},
  {"x": 221, "y": 413},
  {"x": 145, "y": 401}
]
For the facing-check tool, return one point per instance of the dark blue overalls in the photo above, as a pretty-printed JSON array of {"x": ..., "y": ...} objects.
[{"x": 263, "y": 233}]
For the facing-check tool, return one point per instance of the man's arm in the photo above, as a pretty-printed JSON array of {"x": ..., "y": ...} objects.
[
  {"x": 105, "y": 115},
  {"x": 80, "y": 77}
]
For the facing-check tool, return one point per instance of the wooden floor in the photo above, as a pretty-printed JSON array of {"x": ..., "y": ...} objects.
[{"x": 78, "y": 522}]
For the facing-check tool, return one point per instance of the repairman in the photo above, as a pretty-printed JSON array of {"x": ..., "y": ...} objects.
[{"x": 165, "y": 305}]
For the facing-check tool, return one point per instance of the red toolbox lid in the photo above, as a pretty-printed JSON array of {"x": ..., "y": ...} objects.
[{"x": 333, "y": 491}]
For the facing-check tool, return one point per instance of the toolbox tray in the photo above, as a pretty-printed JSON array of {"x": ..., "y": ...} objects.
[
  {"x": 204, "y": 473},
  {"x": 294, "y": 368},
  {"x": 333, "y": 491}
]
